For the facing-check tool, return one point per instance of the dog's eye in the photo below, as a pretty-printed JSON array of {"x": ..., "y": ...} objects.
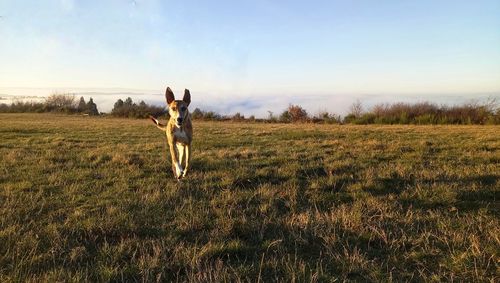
[
  {"x": 183, "y": 108},
  {"x": 174, "y": 108}
]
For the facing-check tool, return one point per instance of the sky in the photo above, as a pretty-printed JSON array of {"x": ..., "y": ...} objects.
[{"x": 252, "y": 56}]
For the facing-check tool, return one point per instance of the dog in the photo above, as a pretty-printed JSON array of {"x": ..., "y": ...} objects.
[{"x": 179, "y": 132}]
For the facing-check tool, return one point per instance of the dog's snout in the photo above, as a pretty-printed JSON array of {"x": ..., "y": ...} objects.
[{"x": 179, "y": 120}]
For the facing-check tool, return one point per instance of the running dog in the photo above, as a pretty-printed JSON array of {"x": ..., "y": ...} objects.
[{"x": 179, "y": 132}]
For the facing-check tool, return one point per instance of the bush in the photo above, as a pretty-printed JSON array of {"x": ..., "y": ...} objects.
[
  {"x": 327, "y": 118},
  {"x": 271, "y": 118},
  {"x": 294, "y": 114},
  {"x": 238, "y": 117},
  {"x": 20, "y": 107},
  {"x": 350, "y": 118},
  {"x": 285, "y": 117},
  {"x": 197, "y": 114},
  {"x": 297, "y": 113},
  {"x": 211, "y": 115},
  {"x": 129, "y": 109},
  {"x": 427, "y": 113},
  {"x": 365, "y": 119},
  {"x": 425, "y": 119}
]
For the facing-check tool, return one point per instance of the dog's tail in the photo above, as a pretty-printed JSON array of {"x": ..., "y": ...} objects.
[{"x": 158, "y": 124}]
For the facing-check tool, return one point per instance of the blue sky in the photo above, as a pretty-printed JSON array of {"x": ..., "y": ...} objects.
[{"x": 254, "y": 56}]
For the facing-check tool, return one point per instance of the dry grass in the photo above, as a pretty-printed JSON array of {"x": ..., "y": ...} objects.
[{"x": 94, "y": 199}]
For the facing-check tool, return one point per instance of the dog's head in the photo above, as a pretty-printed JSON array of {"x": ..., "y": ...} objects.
[{"x": 178, "y": 109}]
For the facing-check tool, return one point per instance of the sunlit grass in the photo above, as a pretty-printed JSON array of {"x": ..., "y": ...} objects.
[{"x": 87, "y": 198}]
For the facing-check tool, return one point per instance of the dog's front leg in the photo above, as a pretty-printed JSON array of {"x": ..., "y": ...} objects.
[
  {"x": 175, "y": 161},
  {"x": 180, "y": 153},
  {"x": 187, "y": 151}
]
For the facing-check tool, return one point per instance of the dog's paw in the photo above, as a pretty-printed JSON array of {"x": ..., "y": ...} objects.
[{"x": 180, "y": 174}]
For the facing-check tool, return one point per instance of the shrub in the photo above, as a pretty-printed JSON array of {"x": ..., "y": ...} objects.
[
  {"x": 427, "y": 113},
  {"x": 129, "y": 109},
  {"x": 271, "y": 118},
  {"x": 238, "y": 117},
  {"x": 350, "y": 118},
  {"x": 425, "y": 119},
  {"x": 197, "y": 114},
  {"x": 285, "y": 117},
  {"x": 211, "y": 115},
  {"x": 327, "y": 118},
  {"x": 297, "y": 113},
  {"x": 20, "y": 107},
  {"x": 367, "y": 118}
]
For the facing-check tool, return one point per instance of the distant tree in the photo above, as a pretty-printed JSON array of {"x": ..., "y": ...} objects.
[
  {"x": 128, "y": 101},
  {"x": 356, "y": 109},
  {"x": 118, "y": 104},
  {"x": 238, "y": 117},
  {"x": 271, "y": 118},
  {"x": 92, "y": 107},
  {"x": 129, "y": 109},
  {"x": 20, "y": 107},
  {"x": 197, "y": 114},
  {"x": 61, "y": 103},
  {"x": 211, "y": 115},
  {"x": 117, "y": 108},
  {"x": 82, "y": 106}
]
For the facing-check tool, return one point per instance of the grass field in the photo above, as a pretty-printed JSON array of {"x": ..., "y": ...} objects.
[{"x": 94, "y": 199}]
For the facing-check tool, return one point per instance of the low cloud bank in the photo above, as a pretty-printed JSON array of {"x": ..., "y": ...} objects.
[{"x": 258, "y": 105}]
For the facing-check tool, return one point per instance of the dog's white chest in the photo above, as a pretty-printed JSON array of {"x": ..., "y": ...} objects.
[{"x": 181, "y": 135}]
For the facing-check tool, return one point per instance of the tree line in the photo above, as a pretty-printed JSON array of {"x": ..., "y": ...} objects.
[
  {"x": 422, "y": 113},
  {"x": 59, "y": 103},
  {"x": 129, "y": 109},
  {"x": 425, "y": 113}
]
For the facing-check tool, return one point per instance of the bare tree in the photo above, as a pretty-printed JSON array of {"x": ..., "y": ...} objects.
[
  {"x": 61, "y": 102},
  {"x": 356, "y": 109}
]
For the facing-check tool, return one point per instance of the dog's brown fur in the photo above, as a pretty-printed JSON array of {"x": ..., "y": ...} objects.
[{"x": 179, "y": 132}]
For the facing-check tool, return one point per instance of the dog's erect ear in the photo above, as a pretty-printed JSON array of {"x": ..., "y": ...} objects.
[
  {"x": 187, "y": 96},
  {"x": 169, "y": 95}
]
